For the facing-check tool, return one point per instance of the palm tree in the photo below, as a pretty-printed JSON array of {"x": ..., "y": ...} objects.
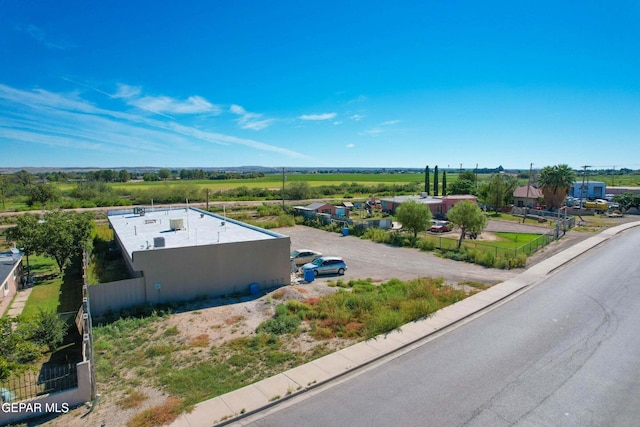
[{"x": 555, "y": 181}]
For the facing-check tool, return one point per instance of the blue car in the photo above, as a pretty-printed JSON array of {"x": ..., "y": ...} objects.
[{"x": 326, "y": 265}]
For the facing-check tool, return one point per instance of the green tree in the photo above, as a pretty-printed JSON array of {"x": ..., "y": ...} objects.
[
  {"x": 124, "y": 175},
  {"x": 444, "y": 183},
  {"x": 426, "y": 180},
  {"x": 42, "y": 193},
  {"x": 500, "y": 190},
  {"x": 23, "y": 177},
  {"x": 435, "y": 181},
  {"x": 555, "y": 181},
  {"x": 26, "y": 234},
  {"x": 461, "y": 186},
  {"x": 468, "y": 175},
  {"x": 414, "y": 216},
  {"x": 49, "y": 329},
  {"x": 164, "y": 174},
  {"x": 67, "y": 234},
  {"x": 468, "y": 216},
  {"x": 3, "y": 191},
  {"x": 627, "y": 200},
  {"x": 299, "y": 190}
]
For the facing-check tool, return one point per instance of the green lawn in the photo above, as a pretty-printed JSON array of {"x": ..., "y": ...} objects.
[
  {"x": 50, "y": 291},
  {"x": 513, "y": 240}
]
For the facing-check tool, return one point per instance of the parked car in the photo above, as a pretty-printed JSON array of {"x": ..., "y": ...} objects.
[
  {"x": 326, "y": 265},
  {"x": 304, "y": 256},
  {"x": 440, "y": 227}
]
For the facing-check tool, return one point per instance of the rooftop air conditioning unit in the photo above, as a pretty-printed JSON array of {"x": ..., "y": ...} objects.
[
  {"x": 176, "y": 224},
  {"x": 158, "y": 242}
]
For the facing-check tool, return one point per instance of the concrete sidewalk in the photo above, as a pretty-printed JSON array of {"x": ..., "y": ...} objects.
[
  {"x": 269, "y": 392},
  {"x": 20, "y": 299}
]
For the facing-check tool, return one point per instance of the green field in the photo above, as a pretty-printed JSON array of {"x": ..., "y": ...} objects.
[{"x": 274, "y": 181}]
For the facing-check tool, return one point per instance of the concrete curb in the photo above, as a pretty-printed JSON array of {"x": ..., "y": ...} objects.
[{"x": 238, "y": 404}]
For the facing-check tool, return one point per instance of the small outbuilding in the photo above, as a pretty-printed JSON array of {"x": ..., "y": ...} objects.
[{"x": 526, "y": 196}]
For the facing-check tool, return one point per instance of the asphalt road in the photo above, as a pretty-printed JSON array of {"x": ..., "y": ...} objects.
[
  {"x": 566, "y": 352},
  {"x": 367, "y": 259}
]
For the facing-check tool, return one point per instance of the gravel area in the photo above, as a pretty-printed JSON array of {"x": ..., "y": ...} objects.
[{"x": 380, "y": 262}]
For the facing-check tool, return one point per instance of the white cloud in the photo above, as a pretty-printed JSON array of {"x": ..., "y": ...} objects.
[
  {"x": 237, "y": 109},
  {"x": 41, "y": 37},
  {"x": 381, "y": 128},
  {"x": 356, "y": 117},
  {"x": 373, "y": 132},
  {"x": 66, "y": 120},
  {"x": 126, "y": 91},
  {"x": 249, "y": 120},
  {"x": 324, "y": 116},
  {"x": 350, "y": 145},
  {"x": 164, "y": 104}
]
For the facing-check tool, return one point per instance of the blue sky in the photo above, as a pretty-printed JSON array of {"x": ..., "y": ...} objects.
[{"x": 319, "y": 84}]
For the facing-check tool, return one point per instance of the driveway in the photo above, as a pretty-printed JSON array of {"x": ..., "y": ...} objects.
[{"x": 381, "y": 262}]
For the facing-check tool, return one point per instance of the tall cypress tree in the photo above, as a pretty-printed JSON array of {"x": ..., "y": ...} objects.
[
  {"x": 426, "y": 180},
  {"x": 444, "y": 183},
  {"x": 435, "y": 180}
]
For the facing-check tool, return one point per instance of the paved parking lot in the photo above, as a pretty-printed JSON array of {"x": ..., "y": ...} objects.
[{"x": 383, "y": 262}]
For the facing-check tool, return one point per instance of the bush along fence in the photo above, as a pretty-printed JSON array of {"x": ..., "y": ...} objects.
[{"x": 54, "y": 390}]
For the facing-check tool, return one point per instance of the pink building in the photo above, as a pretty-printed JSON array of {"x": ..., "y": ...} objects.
[{"x": 439, "y": 205}]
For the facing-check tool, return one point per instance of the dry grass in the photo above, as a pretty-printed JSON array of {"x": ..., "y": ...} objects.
[
  {"x": 201, "y": 340},
  {"x": 133, "y": 399},
  {"x": 234, "y": 320},
  {"x": 278, "y": 294},
  {"x": 158, "y": 415}
]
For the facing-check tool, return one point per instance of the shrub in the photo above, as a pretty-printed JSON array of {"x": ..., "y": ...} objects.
[
  {"x": 425, "y": 245},
  {"x": 487, "y": 259},
  {"x": 377, "y": 235},
  {"x": 386, "y": 321},
  {"x": 519, "y": 261},
  {"x": 49, "y": 329},
  {"x": 279, "y": 325}
]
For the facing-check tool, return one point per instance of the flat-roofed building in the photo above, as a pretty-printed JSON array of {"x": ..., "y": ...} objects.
[{"x": 180, "y": 254}]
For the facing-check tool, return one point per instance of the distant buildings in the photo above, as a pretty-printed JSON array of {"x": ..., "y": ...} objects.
[
  {"x": 591, "y": 190},
  {"x": 439, "y": 205}
]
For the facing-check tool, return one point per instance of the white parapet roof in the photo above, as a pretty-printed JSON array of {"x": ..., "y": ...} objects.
[{"x": 153, "y": 229}]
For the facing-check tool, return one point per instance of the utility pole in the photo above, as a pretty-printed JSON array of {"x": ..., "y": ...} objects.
[
  {"x": 526, "y": 207},
  {"x": 2, "y": 189},
  {"x": 283, "y": 179},
  {"x": 613, "y": 176},
  {"x": 582, "y": 190},
  {"x": 476, "y": 178}
]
